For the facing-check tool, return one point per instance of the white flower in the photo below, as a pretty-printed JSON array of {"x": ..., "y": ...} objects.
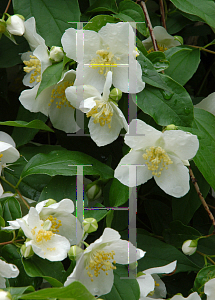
[
  {"x": 8, "y": 152},
  {"x": 164, "y": 40},
  {"x": 94, "y": 269},
  {"x": 15, "y": 25},
  {"x": 56, "y": 53},
  {"x": 209, "y": 289},
  {"x": 52, "y": 102},
  {"x": 150, "y": 283},
  {"x": 63, "y": 222},
  {"x": 107, "y": 50},
  {"x": 44, "y": 242},
  {"x": 33, "y": 38},
  {"x": 7, "y": 271},
  {"x": 208, "y": 104},
  {"x": 158, "y": 154},
  {"x": 193, "y": 296},
  {"x": 5, "y": 295},
  {"x": 189, "y": 247},
  {"x": 106, "y": 118}
]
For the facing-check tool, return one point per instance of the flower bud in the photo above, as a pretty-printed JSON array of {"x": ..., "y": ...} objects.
[
  {"x": 15, "y": 25},
  {"x": 2, "y": 26},
  {"x": 50, "y": 202},
  {"x": 93, "y": 191},
  {"x": 90, "y": 225},
  {"x": 26, "y": 251},
  {"x": 4, "y": 295},
  {"x": 56, "y": 54},
  {"x": 171, "y": 127},
  {"x": 115, "y": 94},
  {"x": 189, "y": 247},
  {"x": 75, "y": 252}
]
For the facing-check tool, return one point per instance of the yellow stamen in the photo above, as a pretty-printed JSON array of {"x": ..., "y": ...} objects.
[
  {"x": 101, "y": 261},
  {"x": 161, "y": 48},
  {"x": 43, "y": 235},
  {"x": 102, "y": 113},
  {"x": 1, "y": 156},
  {"x": 156, "y": 160},
  {"x": 55, "y": 223},
  {"x": 104, "y": 61},
  {"x": 33, "y": 64},
  {"x": 58, "y": 93}
]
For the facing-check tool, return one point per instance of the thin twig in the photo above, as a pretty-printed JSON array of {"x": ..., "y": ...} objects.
[
  {"x": 6, "y": 9},
  {"x": 163, "y": 20},
  {"x": 23, "y": 200},
  {"x": 202, "y": 198},
  {"x": 149, "y": 25},
  {"x": 11, "y": 242},
  {"x": 211, "y": 260},
  {"x": 203, "y": 49}
]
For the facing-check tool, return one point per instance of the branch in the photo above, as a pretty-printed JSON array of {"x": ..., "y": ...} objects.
[
  {"x": 203, "y": 49},
  {"x": 6, "y": 9},
  {"x": 202, "y": 198},
  {"x": 162, "y": 13},
  {"x": 149, "y": 25}
]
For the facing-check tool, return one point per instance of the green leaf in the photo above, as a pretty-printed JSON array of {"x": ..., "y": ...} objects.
[
  {"x": 103, "y": 5},
  {"x": 158, "y": 59},
  {"x": 159, "y": 254},
  {"x": 175, "y": 22},
  {"x": 22, "y": 136},
  {"x": 11, "y": 209},
  {"x": 53, "y": 272},
  {"x": 203, "y": 9},
  {"x": 129, "y": 11},
  {"x": 75, "y": 290},
  {"x": 95, "y": 212},
  {"x": 123, "y": 289},
  {"x": 61, "y": 163},
  {"x": 119, "y": 193},
  {"x": 203, "y": 127},
  {"x": 17, "y": 291},
  {"x": 51, "y": 76},
  {"x": 150, "y": 75},
  {"x": 9, "y": 53},
  {"x": 178, "y": 233},
  {"x": 184, "y": 208},
  {"x": 202, "y": 277},
  {"x": 167, "y": 107},
  {"x": 97, "y": 22},
  {"x": 51, "y": 20},
  {"x": 37, "y": 124},
  {"x": 183, "y": 63}
]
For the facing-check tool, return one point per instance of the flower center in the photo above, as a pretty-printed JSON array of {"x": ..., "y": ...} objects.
[
  {"x": 104, "y": 61},
  {"x": 157, "y": 160},
  {"x": 58, "y": 95},
  {"x": 161, "y": 48},
  {"x": 33, "y": 64},
  {"x": 1, "y": 156},
  {"x": 102, "y": 113},
  {"x": 55, "y": 223},
  {"x": 43, "y": 235},
  {"x": 152, "y": 292},
  {"x": 101, "y": 261}
]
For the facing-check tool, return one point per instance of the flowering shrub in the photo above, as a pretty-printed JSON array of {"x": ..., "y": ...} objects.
[{"x": 107, "y": 150}]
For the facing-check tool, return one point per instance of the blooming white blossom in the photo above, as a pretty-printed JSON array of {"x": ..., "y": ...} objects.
[
  {"x": 63, "y": 222},
  {"x": 5, "y": 295},
  {"x": 164, "y": 40},
  {"x": 150, "y": 283},
  {"x": 107, "y": 50},
  {"x": 15, "y": 25},
  {"x": 95, "y": 267},
  {"x": 208, "y": 104},
  {"x": 209, "y": 289},
  {"x": 45, "y": 243},
  {"x": 7, "y": 271},
  {"x": 8, "y": 152},
  {"x": 189, "y": 247},
  {"x": 106, "y": 119},
  {"x": 158, "y": 154}
]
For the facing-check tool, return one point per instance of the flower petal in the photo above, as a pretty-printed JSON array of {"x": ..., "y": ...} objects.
[
  {"x": 10, "y": 154},
  {"x": 142, "y": 173},
  {"x": 87, "y": 104},
  {"x": 162, "y": 270},
  {"x": 54, "y": 249},
  {"x": 146, "y": 284},
  {"x": 107, "y": 86},
  {"x": 208, "y": 103},
  {"x": 92, "y": 77},
  {"x": 4, "y": 137},
  {"x": 33, "y": 38},
  {"x": 160, "y": 288},
  {"x": 183, "y": 144},
  {"x": 8, "y": 270},
  {"x": 175, "y": 180},
  {"x": 209, "y": 289},
  {"x": 149, "y": 135}
]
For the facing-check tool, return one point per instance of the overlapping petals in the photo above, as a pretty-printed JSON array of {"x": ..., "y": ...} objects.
[{"x": 7, "y": 271}]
